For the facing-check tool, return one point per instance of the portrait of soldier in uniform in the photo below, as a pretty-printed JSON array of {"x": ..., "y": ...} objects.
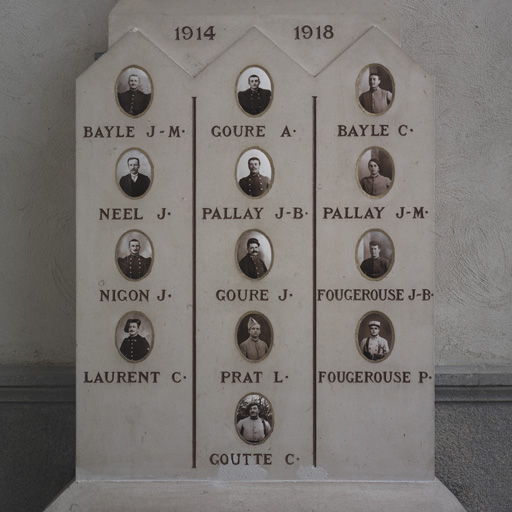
[
  {"x": 254, "y": 336},
  {"x": 375, "y": 89},
  {"x": 134, "y": 91},
  {"x": 375, "y": 171},
  {"x": 135, "y": 170},
  {"x": 374, "y": 331},
  {"x": 257, "y": 259},
  {"x": 254, "y": 172},
  {"x": 254, "y": 419},
  {"x": 375, "y": 254},
  {"x": 134, "y": 336},
  {"x": 134, "y": 265},
  {"x": 254, "y": 92}
]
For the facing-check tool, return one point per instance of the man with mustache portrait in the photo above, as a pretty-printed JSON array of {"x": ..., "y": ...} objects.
[{"x": 251, "y": 264}]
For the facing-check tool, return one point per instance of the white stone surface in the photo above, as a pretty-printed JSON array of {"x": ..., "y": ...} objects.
[
  {"x": 274, "y": 19},
  {"x": 367, "y": 424},
  {"x": 255, "y": 496},
  {"x": 334, "y": 431}
]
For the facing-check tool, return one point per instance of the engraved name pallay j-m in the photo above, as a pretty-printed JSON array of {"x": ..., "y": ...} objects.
[{"x": 255, "y": 250}]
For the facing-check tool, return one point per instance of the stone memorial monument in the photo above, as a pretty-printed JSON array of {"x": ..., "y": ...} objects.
[{"x": 255, "y": 262}]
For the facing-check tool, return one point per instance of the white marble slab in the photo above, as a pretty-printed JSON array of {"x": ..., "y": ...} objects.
[{"x": 333, "y": 413}]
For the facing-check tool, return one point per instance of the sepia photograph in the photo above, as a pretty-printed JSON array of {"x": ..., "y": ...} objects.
[
  {"x": 254, "y": 254},
  {"x": 375, "y": 254},
  {"x": 375, "y": 336},
  {"x": 134, "y": 173},
  {"x": 254, "y": 418},
  {"x": 375, "y": 89},
  {"x": 375, "y": 172},
  {"x": 254, "y": 172},
  {"x": 254, "y": 91},
  {"x": 134, "y": 91},
  {"x": 134, "y": 255},
  {"x": 134, "y": 336},
  {"x": 254, "y": 336}
]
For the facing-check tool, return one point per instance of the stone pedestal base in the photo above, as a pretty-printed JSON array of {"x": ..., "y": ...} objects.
[{"x": 99, "y": 496}]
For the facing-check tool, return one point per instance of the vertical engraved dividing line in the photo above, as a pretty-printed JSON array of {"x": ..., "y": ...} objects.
[
  {"x": 194, "y": 306},
  {"x": 314, "y": 280}
]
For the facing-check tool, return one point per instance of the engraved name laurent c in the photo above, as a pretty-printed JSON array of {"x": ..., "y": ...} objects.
[{"x": 115, "y": 377}]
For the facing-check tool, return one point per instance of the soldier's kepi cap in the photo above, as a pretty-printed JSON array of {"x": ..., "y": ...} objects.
[
  {"x": 131, "y": 321},
  {"x": 374, "y": 70},
  {"x": 376, "y": 323},
  {"x": 252, "y": 323}
]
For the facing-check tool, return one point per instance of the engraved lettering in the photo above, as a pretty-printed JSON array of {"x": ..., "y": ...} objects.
[
  {"x": 133, "y": 377},
  {"x": 380, "y": 130},
  {"x": 422, "y": 376},
  {"x": 284, "y": 295},
  {"x": 348, "y": 212},
  {"x": 232, "y": 214},
  {"x": 365, "y": 377},
  {"x": 360, "y": 294},
  {"x": 120, "y": 214},
  {"x": 163, "y": 213},
  {"x": 238, "y": 377},
  {"x": 124, "y": 295},
  {"x": 416, "y": 212},
  {"x": 277, "y": 380},
  {"x": 164, "y": 295},
  {"x": 238, "y": 131},
  {"x": 109, "y": 132},
  {"x": 236, "y": 459},
  {"x": 288, "y": 457},
  {"x": 174, "y": 131},
  {"x": 286, "y": 132},
  {"x": 242, "y": 295}
]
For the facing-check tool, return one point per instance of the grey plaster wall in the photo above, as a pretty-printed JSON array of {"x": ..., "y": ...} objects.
[
  {"x": 465, "y": 44},
  {"x": 44, "y": 46}
]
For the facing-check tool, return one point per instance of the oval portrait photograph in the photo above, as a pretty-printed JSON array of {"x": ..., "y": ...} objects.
[
  {"x": 134, "y": 336},
  {"x": 134, "y": 91},
  {"x": 375, "y": 89},
  {"x": 254, "y": 254},
  {"x": 254, "y": 336},
  {"x": 375, "y": 172},
  {"x": 375, "y": 336},
  {"x": 134, "y": 173},
  {"x": 134, "y": 255},
  {"x": 254, "y": 418},
  {"x": 254, "y": 172},
  {"x": 375, "y": 254},
  {"x": 254, "y": 91}
]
